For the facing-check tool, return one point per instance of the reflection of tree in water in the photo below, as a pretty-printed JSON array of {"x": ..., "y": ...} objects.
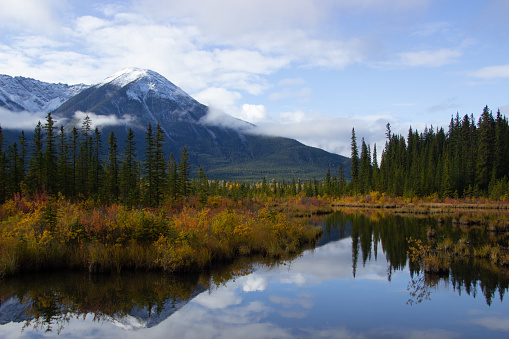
[
  {"x": 371, "y": 230},
  {"x": 375, "y": 229},
  {"x": 51, "y": 301},
  {"x": 468, "y": 276}
]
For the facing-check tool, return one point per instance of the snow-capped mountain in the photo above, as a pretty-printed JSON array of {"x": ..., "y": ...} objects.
[
  {"x": 226, "y": 148},
  {"x": 135, "y": 97},
  {"x": 26, "y": 94}
]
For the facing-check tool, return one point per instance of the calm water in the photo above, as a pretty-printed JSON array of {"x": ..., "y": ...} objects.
[{"x": 356, "y": 284}]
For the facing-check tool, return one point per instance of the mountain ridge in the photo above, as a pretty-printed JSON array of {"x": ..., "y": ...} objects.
[{"x": 134, "y": 97}]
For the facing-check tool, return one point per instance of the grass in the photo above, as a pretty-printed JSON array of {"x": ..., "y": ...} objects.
[{"x": 41, "y": 234}]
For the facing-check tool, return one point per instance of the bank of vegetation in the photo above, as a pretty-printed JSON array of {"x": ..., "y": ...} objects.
[{"x": 43, "y": 233}]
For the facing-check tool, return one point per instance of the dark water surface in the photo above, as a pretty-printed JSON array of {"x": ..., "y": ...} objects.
[{"x": 357, "y": 283}]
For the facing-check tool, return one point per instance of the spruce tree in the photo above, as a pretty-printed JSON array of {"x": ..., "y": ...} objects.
[
  {"x": 129, "y": 173},
  {"x": 35, "y": 174},
  {"x": 184, "y": 170},
  {"x": 354, "y": 165},
  {"x": 64, "y": 174},
  {"x": 112, "y": 170},
  {"x": 50, "y": 156},
  {"x": 485, "y": 149},
  {"x": 149, "y": 167}
]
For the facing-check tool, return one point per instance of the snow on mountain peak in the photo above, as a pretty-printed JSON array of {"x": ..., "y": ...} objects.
[
  {"x": 145, "y": 81},
  {"x": 124, "y": 77}
]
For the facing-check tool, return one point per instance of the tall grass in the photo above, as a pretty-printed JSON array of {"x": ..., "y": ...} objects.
[{"x": 44, "y": 233}]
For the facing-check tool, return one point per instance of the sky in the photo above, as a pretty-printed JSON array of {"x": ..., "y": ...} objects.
[{"x": 306, "y": 69}]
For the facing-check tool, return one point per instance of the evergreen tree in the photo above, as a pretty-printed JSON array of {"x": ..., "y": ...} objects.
[
  {"x": 74, "y": 161},
  {"x": 184, "y": 170},
  {"x": 354, "y": 166},
  {"x": 129, "y": 173},
  {"x": 84, "y": 158},
  {"x": 50, "y": 156},
  {"x": 23, "y": 152},
  {"x": 35, "y": 174},
  {"x": 3, "y": 182},
  {"x": 64, "y": 170},
  {"x": 112, "y": 170},
  {"x": 95, "y": 169},
  {"x": 365, "y": 169},
  {"x": 172, "y": 177},
  {"x": 12, "y": 170},
  {"x": 160, "y": 177},
  {"x": 149, "y": 167},
  {"x": 485, "y": 149}
]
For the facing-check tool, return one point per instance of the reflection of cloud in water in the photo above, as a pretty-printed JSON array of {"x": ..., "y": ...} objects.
[
  {"x": 220, "y": 298},
  {"x": 288, "y": 302},
  {"x": 254, "y": 282},
  {"x": 493, "y": 323},
  {"x": 333, "y": 261},
  {"x": 293, "y": 314}
]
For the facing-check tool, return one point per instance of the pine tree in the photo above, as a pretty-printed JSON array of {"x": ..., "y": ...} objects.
[
  {"x": 12, "y": 170},
  {"x": 64, "y": 182},
  {"x": 50, "y": 156},
  {"x": 112, "y": 171},
  {"x": 74, "y": 161},
  {"x": 172, "y": 177},
  {"x": 23, "y": 152},
  {"x": 95, "y": 169},
  {"x": 485, "y": 149},
  {"x": 129, "y": 174},
  {"x": 354, "y": 165},
  {"x": 160, "y": 178},
  {"x": 35, "y": 174},
  {"x": 149, "y": 167},
  {"x": 184, "y": 170},
  {"x": 84, "y": 158},
  {"x": 3, "y": 182}
]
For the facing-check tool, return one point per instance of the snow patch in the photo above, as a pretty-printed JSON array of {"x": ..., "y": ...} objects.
[{"x": 124, "y": 77}]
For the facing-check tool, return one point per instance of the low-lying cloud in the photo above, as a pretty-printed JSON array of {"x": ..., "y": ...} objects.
[
  {"x": 20, "y": 120},
  {"x": 103, "y": 120}
]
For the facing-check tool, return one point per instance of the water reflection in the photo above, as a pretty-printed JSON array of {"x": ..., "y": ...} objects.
[{"x": 356, "y": 283}]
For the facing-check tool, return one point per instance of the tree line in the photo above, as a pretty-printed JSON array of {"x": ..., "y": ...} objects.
[
  {"x": 75, "y": 165},
  {"x": 471, "y": 159}
]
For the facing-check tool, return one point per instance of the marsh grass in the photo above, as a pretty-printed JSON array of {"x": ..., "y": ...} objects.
[{"x": 46, "y": 234}]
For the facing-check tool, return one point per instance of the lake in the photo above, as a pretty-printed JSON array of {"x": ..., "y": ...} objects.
[{"x": 356, "y": 283}]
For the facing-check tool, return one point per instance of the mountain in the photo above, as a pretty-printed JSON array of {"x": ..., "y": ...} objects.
[
  {"x": 25, "y": 94},
  {"x": 226, "y": 148}
]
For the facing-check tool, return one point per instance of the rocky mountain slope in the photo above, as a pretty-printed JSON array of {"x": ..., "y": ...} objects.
[{"x": 133, "y": 98}]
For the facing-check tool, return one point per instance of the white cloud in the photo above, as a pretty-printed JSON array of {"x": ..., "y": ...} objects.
[
  {"x": 491, "y": 72},
  {"x": 31, "y": 15},
  {"x": 219, "y": 98},
  {"x": 20, "y": 120},
  {"x": 332, "y": 134},
  {"x": 288, "y": 93},
  {"x": 103, "y": 120},
  {"x": 253, "y": 113},
  {"x": 291, "y": 82},
  {"x": 430, "y": 58}
]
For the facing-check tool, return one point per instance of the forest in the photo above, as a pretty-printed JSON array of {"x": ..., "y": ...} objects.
[{"x": 470, "y": 160}]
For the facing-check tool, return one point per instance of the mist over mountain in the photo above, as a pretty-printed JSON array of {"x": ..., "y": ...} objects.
[{"x": 225, "y": 147}]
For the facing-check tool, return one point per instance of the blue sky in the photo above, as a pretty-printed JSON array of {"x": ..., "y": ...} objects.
[{"x": 310, "y": 70}]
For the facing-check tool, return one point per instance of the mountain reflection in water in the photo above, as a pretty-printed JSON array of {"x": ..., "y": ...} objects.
[{"x": 356, "y": 283}]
